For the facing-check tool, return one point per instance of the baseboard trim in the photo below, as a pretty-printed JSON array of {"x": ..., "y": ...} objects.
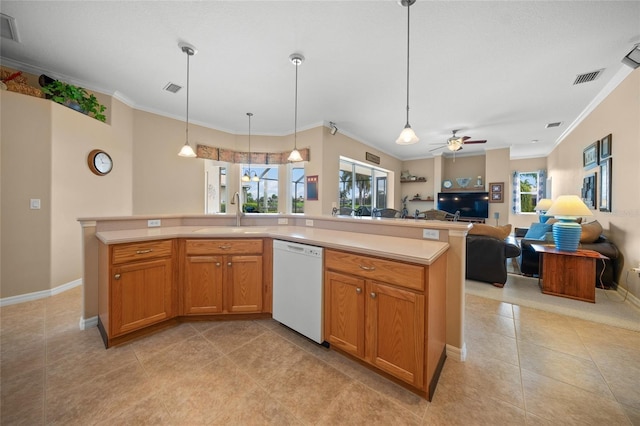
[
  {"x": 459, "y": 354},
  {"x": 623, "y": 292},
  {"x": 13, "y": 300},
  {"x": 88, "y": 323}
]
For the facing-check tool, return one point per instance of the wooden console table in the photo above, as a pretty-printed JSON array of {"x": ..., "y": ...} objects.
[{"x": 569, "y": 274}]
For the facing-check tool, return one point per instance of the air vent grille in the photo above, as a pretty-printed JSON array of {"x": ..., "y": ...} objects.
[
  {"x": 556, "y": 124},
  {"x": 587, "y": 77},
  {"x": 172, "y": 87},
  {"x": 8, "y": 27}
]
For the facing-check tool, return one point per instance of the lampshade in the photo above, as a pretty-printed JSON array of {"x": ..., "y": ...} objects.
[
  {"x": 295, "y": 155},
  {"x": 566, "y": 232},
  {"x": 186, "y": 150},
  {"x": 570, "y": 206},
  {"x": 543, "y": 204},
  {"x": 246, "y": 177},
  {"x": 407, "y": 136}
]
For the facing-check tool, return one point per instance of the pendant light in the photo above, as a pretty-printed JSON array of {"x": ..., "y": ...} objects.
[
  {"x": 296, "y": 59},
  {"x": 247, "y": 175},
  {"x": 407, "y": 136},
  {"x": 186, "y": 150}
]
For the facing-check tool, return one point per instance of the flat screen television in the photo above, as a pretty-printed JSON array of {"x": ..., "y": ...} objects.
[{"x": 470, "y": 204}]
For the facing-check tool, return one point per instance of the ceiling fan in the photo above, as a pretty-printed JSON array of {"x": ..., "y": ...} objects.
[{"x": 454, "y": 143}]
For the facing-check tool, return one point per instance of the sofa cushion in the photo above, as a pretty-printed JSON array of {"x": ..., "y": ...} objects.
[
  {"x": 537, "y": 231},
  {"x": 590, "y": 232},
  {"x": 499, "y": 232}
]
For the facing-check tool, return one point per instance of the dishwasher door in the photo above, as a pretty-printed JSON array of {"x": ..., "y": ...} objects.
[{"x": 297, "y": 287}]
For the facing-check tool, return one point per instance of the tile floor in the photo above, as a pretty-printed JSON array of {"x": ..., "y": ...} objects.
[{"x": 525, "y": 366}]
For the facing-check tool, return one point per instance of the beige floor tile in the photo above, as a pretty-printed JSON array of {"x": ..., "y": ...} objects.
[
  {"x": 479, "y": 322},
  {"x": 533, "y": 420},
  {"x": 307, "y": 387},
  {"x": 22, "y": 399},
  {"x": 465, "y": 405},
  {"x": 75, "y": 345},
  {"x": 633, "y": 414},
  {"x": 358, "y": 404},
  {"x": 623, "y": 379},
  {"x": 484, "y": 305},
  {"x": 551, "y": 331},
  {"x": 553, "y": 400},
  {"x": 156, "y": 343},
  {"x": 266, "y": 355},
  {"x": 258, "y": 408},
  {"x": 227, "y": 336},
  {"x": 13, "y": 363},
  {"x": 149, "y": 411},
  {"x": 23, "y": 336},
  {"x": 199, "y": 396},
  {"x": 492, "y": 346},
  {"x": 496, "y": 378},
  {"x": 605, "y": 341},
  {"x": 569, "y": 369}
]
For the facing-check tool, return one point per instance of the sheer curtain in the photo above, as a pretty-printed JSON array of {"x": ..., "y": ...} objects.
[{"x": 515, "y": 188}]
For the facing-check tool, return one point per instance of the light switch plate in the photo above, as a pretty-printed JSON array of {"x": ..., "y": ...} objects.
[
  {"x": 34, "y": 204},
  {"x": 431, "y": 234},
  {"x": 152, "y": 223}
]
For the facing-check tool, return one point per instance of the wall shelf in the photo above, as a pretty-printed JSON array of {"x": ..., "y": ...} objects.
[
  {"x": 420, "y": 179},
  {"x": 421, "y": 199}
]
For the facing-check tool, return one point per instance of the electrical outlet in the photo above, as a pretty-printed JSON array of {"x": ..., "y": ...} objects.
[
  {"x": 309, "y": 222},
  {"x": 432, "y": 234},
  {"x": 153, "y": 223},
  {"x": 283, "y": 221},
  {"x": 34, "y": 204}
]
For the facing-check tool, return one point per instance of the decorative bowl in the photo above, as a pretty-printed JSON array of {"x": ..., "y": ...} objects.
[{"x": 463, "y": 182}]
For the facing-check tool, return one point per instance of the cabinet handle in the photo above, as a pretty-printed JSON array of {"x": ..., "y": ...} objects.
[
  {"x": 367, "y": 268},
  {"x": 224, "y": 247},
  {"x": 358, "y": 290},
  {"x": 373, "y": 295},
  {"x": 116, "y": 276},
  {"x": 229, "y": 264},
  {"x": 217, "y": 263},
  {"x": 143, "y": 251}
]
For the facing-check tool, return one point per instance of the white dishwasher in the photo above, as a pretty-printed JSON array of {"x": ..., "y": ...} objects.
[{"x": 297, "y": 287}]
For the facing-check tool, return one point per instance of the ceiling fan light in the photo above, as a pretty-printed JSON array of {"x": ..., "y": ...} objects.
[
  {"x": 187, "y": 151},
  {"x": 407, "y": 136},
  {"x": 295, "y": 156}
]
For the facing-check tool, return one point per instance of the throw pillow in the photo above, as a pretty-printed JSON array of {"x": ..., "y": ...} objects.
[
  {"x": 499, "y": 232},
  {"x": 537, "y": 231},
  {"x": 590, "y": 232}
]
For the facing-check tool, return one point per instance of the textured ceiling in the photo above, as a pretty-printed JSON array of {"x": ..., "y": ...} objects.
[{"x": 497, "y": 70}]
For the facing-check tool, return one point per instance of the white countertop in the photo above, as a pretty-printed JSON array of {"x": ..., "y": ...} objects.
[{"x": 405, "y": 249}]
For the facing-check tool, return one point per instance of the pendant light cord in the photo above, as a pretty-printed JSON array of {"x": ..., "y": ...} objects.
[
  {"x": 249, "y": 114},
  {"x": 187, "y": 127},
  {"x": 295, "y": 120},
  {"x": 408, "y": 38}
]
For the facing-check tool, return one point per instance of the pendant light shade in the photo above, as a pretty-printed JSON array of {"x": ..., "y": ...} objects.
[
  {"x": 296, "y": 59},
  {"x": 407, "y": 136},
  {"x": 186, "y": 150}
]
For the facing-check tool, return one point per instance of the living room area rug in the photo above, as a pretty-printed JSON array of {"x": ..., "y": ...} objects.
[{"x": 610, "y": 308}]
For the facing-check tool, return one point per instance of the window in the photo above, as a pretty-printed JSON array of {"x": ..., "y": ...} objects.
[
  {"x": 216, "y": 184},
  {"x": 260, "y": 196},
  {"x": 297, "y": 190},
  {"x": 528, "y": 186},
  {"x": 357, "y": 184}
]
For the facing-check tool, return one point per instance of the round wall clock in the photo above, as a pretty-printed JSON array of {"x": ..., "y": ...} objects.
[
  {"x": 447, "y": 184},
  {"x": 100, "y": 163}
]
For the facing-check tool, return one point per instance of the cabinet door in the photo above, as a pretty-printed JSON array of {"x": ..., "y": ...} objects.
[
  {"x": 202, "y": 290},
  {"x": 243, "y": 283},
  {"x": 344, "y": 312},
  {"x": 141, "y": 295},
  {"x": 395, "y": 332}
]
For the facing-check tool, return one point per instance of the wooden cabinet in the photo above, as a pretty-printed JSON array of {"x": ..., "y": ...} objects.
[
  {"x": 387, "y": 313},
  {"x": 222, "y": 276},
  {"x": 138, "y": 289}
]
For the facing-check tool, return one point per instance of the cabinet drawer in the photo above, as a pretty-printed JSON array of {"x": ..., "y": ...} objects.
[
  {"x": 389, "y": 271},
  {"x": 123, "y": 253},
  {"x": 239, "y": 246}
]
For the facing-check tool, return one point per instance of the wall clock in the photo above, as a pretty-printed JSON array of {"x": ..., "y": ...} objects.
[{"x": 100, "y": 163}]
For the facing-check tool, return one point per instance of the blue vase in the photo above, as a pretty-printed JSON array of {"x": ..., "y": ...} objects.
[{"x": 566, "y": 235}]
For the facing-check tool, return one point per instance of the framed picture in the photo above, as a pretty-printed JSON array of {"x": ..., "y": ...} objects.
[
  {"x": 312, "y": 187},
  {"x": 605, "y": 147},
  {"x": 590, "y": 155},
  {"x": 605, "y": 185},
  {"x": 589, "y": 191},
  {"x": 496, "y": 191}
]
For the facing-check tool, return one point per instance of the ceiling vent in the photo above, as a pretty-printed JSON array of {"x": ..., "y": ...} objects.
[
  {"x": 172, "y": 87},
  {"x": 556, "y": 124},
  {"x": 587, "y": 77},
  {"x": 8, "y": 28}
]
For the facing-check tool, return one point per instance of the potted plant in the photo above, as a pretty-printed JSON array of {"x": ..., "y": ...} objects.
[{"x": 76, "y": 98}]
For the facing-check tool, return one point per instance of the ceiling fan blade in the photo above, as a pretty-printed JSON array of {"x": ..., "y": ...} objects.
[
  {"x": 478, "y": 141},
  {"x": 464, "y": 138},
  {"x": 435, "y": 149}
]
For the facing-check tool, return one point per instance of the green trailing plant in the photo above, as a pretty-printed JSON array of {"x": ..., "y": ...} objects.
[{"x": 71, "y": 96}]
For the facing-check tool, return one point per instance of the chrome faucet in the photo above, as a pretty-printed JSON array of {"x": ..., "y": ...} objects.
[{"x": 235, "y": 197}]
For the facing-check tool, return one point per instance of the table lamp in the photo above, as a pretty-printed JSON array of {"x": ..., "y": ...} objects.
[
  {"x": 542, "y": 207},
  {"x": 566, "y": 232}
]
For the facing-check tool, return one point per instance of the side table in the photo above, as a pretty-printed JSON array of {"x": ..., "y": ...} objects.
[{"x": 569, "y": 274}]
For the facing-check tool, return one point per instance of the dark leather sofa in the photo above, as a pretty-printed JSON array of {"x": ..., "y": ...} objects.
[
  {"x": 529, "y": 259},
  {"x": 487, "y": 258}
]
